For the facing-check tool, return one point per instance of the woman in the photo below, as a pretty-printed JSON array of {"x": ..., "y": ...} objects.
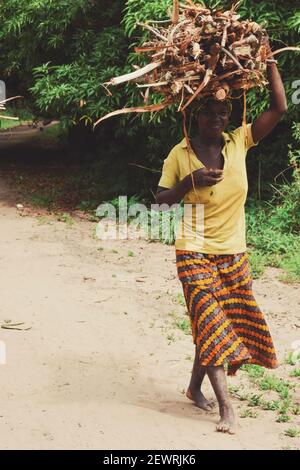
[{"x": 227, "y": 325}]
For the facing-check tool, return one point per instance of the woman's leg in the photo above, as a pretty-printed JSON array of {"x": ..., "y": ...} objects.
[
  {"x": 194, "y": 391},
  {"x": 218, "y": 381}
]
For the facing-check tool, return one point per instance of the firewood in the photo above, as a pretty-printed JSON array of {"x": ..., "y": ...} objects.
[{"x": 199, "y": 52}]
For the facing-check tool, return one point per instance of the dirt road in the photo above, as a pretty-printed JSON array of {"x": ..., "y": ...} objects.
[{"x": 104, "y": 365}]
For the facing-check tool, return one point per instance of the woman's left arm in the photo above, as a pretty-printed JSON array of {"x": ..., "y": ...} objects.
[{"x": 265, "y": 123}]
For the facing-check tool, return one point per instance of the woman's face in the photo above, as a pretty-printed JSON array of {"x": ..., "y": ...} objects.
[{"x": 213, "y": 119}]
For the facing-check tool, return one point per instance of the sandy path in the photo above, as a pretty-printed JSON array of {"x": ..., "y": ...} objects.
[{"x": 103, "y": 366}]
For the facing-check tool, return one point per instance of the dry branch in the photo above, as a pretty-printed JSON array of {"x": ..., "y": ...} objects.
[{"x": 134, "y": 75}]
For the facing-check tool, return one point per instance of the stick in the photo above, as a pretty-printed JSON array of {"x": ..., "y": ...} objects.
[
  {"x": 133, "y": 75},
  {"x": 159, "y": 21},
  {"x": 202, "y": 85},
  {"x": 175, "y": 15},
  {"x": 182, "y": 98},
  {"x": 10, "y": 118},
  {"x": 223, "y": 43},
  {"x": 139, "y": 50},
  {"x": 145, "y": 109},
  {"x": 9, "y": 99},
  {"x": 195, "y": 8},
  {"x": 282, "y": 50},
  {"x": 232, "y": 57},
  {"x": 224, "y": 37},
  {"x": 228, "y": 74},
  {"x": 148, "y": 85}
]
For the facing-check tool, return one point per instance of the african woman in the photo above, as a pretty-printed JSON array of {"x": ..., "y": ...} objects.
[{"x": 227, "y": 325}]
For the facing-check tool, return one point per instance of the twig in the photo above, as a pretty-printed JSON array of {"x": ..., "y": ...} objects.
[
  {"x": 153, "y": 30},
  {"x": 10, "y": 99},
  {"x": 160, "y": 21},
  {"x": 282, "y": 50},
  {"x": 203, "y": 84},
  {"x": 228, "y": 74},
  {"x": 148, "y": 85},
  {"x": 139, "y": 109},
  {"x": 236, "y": 5},
  {"x": 145, "y": 168},
  {"x": 174, "y": 30},
  {"x": 235, "y": 60},
  {"x": 106, "y": 89},
  {"x": 182, "y": 99}
]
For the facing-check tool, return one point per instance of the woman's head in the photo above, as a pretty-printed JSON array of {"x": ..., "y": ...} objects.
[{"x": 213, "y": 116}]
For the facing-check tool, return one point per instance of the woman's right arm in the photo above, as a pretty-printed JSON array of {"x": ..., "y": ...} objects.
[
  {"x": 202, "y": 177},
  {"x": 175, "y": 194}
]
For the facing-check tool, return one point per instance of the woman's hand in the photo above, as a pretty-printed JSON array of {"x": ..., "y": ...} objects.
[
  {"x": 202, "y": 177},
  {"x": 266, "y": 43},
  {"x": 207, "y": 177}
]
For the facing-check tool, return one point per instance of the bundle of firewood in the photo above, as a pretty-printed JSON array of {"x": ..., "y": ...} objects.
[{"x": 198, "y": 53}]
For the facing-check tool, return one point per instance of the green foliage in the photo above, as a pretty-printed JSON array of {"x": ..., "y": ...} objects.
[
  {"x": 66, "y": 218},
  {"x": 265, "y": 382},
  {"x": 295, "y": 372},
  {"x": 291, "y": 432},
  {"x": 283, "y": 419},
  {"x": 253, "y": 370},
  {"x": 248, "y": 414},
  {"x": 62, "y": 51},
  {"x": 292, "y": 359},
  {"x": 273, "y": 227},
  {"x": 270, "y": 382},
  {"x": 184, "y": 325}
]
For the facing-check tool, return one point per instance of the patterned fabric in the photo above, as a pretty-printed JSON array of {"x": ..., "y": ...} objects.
[{"x": 227, "y": 324}]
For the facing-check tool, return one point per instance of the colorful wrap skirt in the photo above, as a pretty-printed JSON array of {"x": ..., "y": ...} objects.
[{"x": 227, "y": 324}]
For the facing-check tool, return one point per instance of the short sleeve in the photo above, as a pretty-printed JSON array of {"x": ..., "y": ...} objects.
[
  {"x": 170, "y": 173},
  {"x": 249, "y": 137},
  {"x": 243, "y": 137}
]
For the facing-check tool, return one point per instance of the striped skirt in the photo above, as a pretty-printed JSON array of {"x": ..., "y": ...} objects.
[{"x": 227, "y": 324}]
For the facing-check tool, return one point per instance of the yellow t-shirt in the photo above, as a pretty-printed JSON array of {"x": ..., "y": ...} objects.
[{"x": 214, "y": 219}]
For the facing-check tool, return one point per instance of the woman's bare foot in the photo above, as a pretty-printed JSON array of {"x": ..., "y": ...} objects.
[
  {"x": 199, "y": 399},
  {"x": 227, "y": 421}
]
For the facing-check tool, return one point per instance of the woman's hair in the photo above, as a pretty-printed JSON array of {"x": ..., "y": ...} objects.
[{"x": 206, "y": 102}]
